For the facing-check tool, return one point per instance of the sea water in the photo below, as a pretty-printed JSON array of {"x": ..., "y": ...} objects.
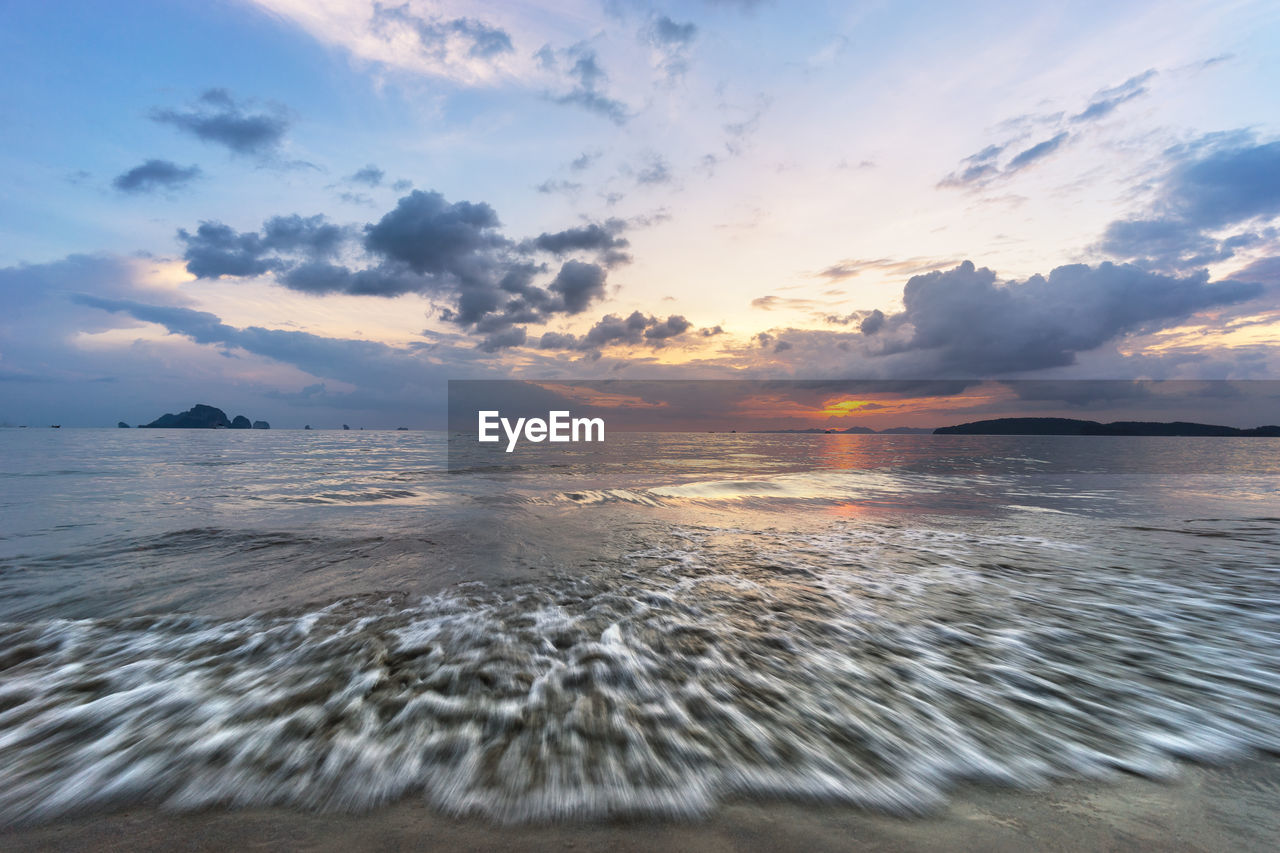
[{"x": 337, "y": 620}]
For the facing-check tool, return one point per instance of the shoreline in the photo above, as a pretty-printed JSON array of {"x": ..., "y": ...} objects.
[{"x": 1226, "y": 807}]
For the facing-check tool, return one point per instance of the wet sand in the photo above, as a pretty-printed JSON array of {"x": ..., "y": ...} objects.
[{"x": 1235, "y": 808}]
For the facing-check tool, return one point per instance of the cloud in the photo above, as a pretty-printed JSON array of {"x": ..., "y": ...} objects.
[
  {"x": 980, "y": 169},
  {"x": 218, "y": 118},
  {"x": 578, "y": 284},
  {"x": 370, "y": 176},
  {"x": 550, "y": 186},
  {"x": 967, "y": 323},
  {"x": 656, "y": 170},
  {"x": 512, "y": 336},
  {"x": 674, "y": 326},
  {"x": 671, "y": 42},
  {"x": 1264, "y": 270},
  {"x": 1036, "y": 152},
  {"x": 668, "y": 31},
  {"x": 444, "y": 41},
  {"x": 872, "y": 323},
  {"x": 588, "y": 80},
  {"x": 319, "y": 277},
  {"x": 584, "y": 160},
  {"x": 451, "y": 252},
  {"x": 436, "y": 238},
  {"x": 909, "y": 266},
  {"x": 155, "y": 175},
  {"x": 604, "y": 240},
  {"x": 613, "y": 330},
  {"x": 1105, "y": 101},
  {"x": 217, "y": 250},
  {"x": 976, "y": 168},
  {"x": 1221, "y": 182}
]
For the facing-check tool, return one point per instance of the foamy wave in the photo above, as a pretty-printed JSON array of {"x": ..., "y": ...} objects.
[{"x": 874, "y": 667}]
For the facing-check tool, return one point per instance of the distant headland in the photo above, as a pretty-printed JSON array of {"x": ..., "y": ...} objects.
[
  {"x": 1071, "y": 426},
  {"x": 201, "y": 416}
]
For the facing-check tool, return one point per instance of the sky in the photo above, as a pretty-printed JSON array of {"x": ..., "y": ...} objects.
[{"x": 320, "y": 211}]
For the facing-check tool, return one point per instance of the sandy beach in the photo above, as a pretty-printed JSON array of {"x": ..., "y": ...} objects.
[{"x": 1203, "y": 809}]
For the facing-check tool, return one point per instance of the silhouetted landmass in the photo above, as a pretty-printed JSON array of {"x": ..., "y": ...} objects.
[
  {"x": 122, "y": 425},
  {"x": 201, "y": 416},
  {"x": 198, "y": 416},
  {"x": 1071, "y": 426}
]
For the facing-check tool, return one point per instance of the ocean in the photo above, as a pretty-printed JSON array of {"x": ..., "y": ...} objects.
[{"x": 654, "y": 627}]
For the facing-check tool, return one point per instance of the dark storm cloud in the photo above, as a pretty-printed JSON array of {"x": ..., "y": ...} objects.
[
  {"x": 1036, "y": 152},
  {"x": 1223, "y": 182},
  {"x": 1105, "y": 101},
  {"x": 217, "y": 117},
  {"x": 370, "y": 176},
  {"x": 967, "y": 321},
  {"x": 435, "y": 34},
  {"x": 155, "y": 175}
]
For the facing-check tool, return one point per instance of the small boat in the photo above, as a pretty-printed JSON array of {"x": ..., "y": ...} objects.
[{"x": 55, "y": 426}]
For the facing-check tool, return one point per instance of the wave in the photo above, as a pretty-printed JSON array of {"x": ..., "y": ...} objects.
[{"x": 871, "y": 666}]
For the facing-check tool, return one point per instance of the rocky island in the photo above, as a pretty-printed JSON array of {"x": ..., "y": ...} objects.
[
  {"x": 201, "y": 416},
  {"x": 1071, "y": 426}
]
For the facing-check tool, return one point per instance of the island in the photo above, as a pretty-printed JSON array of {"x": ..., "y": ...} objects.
[
  {"x": 1071, "y": 426},
  {"x": 202, "y": 416}
]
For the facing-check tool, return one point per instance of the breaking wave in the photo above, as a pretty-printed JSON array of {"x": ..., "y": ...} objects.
[{"x": 869, "y": 666}]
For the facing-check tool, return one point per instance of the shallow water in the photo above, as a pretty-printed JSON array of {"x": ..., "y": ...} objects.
[{"x": 334, "y": 620}]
